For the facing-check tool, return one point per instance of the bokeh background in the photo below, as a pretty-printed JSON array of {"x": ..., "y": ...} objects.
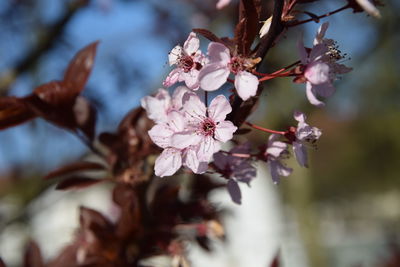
[{"x": 342, "y": 211}]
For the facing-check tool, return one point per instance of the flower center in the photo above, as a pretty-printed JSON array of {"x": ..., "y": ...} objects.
[
  {"x": 208, "y": 127},
  {"x": 236, "y": 65},
  {"x": 186, "y": 63}
]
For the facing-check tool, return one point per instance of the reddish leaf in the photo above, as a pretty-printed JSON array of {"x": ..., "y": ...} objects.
[
  {"x": 208, "y": 34},
  {"x": 13, "y": 111},
  {"x": 2, "y": 264},
  {"x": 243, "y": 131},
  {"x": 33, "y": 256},
  {"x": 55, "y": 93},
  {"x": 247, "y": 28},
  {"x": 94, "y": 221},
  {"x": 85, "y": 116},
  {"x": 75, "y": 167},
  {"x": 79, "y": 68},
  {"x": 77, "y": 183},
  {"x": 275, "y": 262}
]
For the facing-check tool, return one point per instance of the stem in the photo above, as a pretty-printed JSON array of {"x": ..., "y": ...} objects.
[
  {"x": 271, "y": 76},
  {"x": 89, "y": 145},
  {"x": 319, "y": 17},
  {"x": 206, "y": 98},
  {"x": 264, "y": 129}
]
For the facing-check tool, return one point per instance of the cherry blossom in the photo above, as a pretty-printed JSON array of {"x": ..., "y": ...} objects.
[
  {"x": 320, "y": 66},
  {"x": 206, "y": 129},
  {"x": 214, "y": 74},
  {"x": 275, "y": 152},
  {"x": 188, "y": 60},
  {"x": 305, "y": 136},
  {"x": 161, "y": 104},
  {"x": 236, "y": 167}
]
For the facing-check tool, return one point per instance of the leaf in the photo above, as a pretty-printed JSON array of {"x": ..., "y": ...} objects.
[
  {"x": 55, "y": 93},
  {"x": 77, "y": 183},
  {"x": 208, "y": 34},
  {"x": 75, "y": 167},
  {"x": 80, "y": 67},
  {"x": 96, "y": 222},
  {"x": 247, "y": 28},
  {"x": 2, "y": 264},
  {"x": 275, "y": 262},
  {"x": 234, "y": 191},
  {"x": 33, "y": 256},
  {"x": 13, "y": 111},
  {"x": 243, "y": 131}
]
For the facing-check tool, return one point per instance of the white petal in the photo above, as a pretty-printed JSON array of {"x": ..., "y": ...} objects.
[
  {"x": 246, "y": 84},
  {"x": 194, "y": 109},
  {"x": 311, "y": 96},
  {"x": 300, "y": 153},
  {"x": 177, "y": 96},
  {"x": 222, "y": 3},
  {"x": 299, "y": 116},
  {"x": 174, "y": 55},
  {"x": 265, "y": 27},
  {"x": 191, "y": 79},
  {"x": 213, "y": 76},
  {"x": 176, "y": 121},
  {"x": 172, "y": 78},
  {"x": 276, "y": 148},
  {"x": 219, "y": 108},
  {"x": 208, "y": 146},
  {"x": 157, "y": 106},
  {"x": 317, "y": 73},
  {"x": 218, "y": 52},
  {"x": 185, "y": 139},
  {"x": 369, "y": 8},
  {"x": 192, "y": 44},
  {"x": 224, "y": 131},
  {"x": 161, "y": 134},
  {"x": 168, "y": 162},
  {"x": 192, "y": 161},
  {"x": 321, "y": 33}
]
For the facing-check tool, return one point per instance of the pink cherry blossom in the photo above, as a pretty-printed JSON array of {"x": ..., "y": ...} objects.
[
  {"x": 159, "y": 105},
  {"x": 275, "y": 152},
  {"x": 320, "y": 66},
  {"x": 305, "y": 136},
  {"x": 206, "y": 129},
  {"x": 188, "y": 60},
  {"x": 214, "y": 74}
]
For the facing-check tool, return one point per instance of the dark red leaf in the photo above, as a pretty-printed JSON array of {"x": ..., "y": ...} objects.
[
  {"x": 94, "y": 221},
  {"x": 55, "y": 93},
  {"x": 13, "y": 111},
  {"x": 79, "y": 68},
  {"x": 248, "y": 26},
  {"x": 75, "y": 167},
  {"x": 77, "y": 183},
  {"x": 208, "y": 34},
  {"x": 243, "y": 131},
  {"x": 2, "y": 264},
  {"x": 85, "y": 116},
  {"x": 33, "y": 256}
]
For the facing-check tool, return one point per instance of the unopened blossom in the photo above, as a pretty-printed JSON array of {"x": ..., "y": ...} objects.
[
  {"x": 275, "y": 152},
  {"x": 188, "y": 61},
  {"x": 222, "y": 3},
  {"x": 236, "y": 167},
  {"x": 265, "y": 27},
  {"x": 161, "y": 104},
  {"x": 206, "y": 129},
  {"x": 320, "y": 66},
  {"x": 305, "y": 135},
  {"x": 216, "y": 72}
]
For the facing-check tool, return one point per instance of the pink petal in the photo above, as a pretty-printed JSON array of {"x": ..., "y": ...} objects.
[
  {"x": 218, "y": 52},
  {"x": 321, "y": 33},
  {"x": 317, "y": 52},
  {"x": 224, "y": 131},
  {"x": 185, "y": 139},
  {"x": 174, "y": 55},
  {"x": 157, "y": 106},
  {"x": 325, "y": 89},
  {"x": 219, "y": 108},
  {"x": 246, "y": 84},
  {"x": 161, "y": 134},
  {"x": 177, "y": 96},
  {"x": 317, "y": 72},
  {"x": 299, "y": 116},
  {"x": 213, "y": 76},
  {"x": 276, "y": 148},
  {"x": 194, "y": 109},
  {"x": 192, "y": 44},
  {"x": 191, "y": 79},
  {"x": 311, "y": 96},
  {"x": 300, "y": 153},
  {"x": 168, "y": 162},
  {"x": 208, "y": 146},
  {"x": 277, "y": 169},
  {"x": 176, "y": 121},
  {"x": 172, "y": 77},
  {"x": 192, "y": 161}
]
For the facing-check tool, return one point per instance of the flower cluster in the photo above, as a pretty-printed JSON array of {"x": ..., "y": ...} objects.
[{"x": 188, "y": 131}]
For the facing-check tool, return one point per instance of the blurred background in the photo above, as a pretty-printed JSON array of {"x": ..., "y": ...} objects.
[{"x": 342, "y": 211}]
